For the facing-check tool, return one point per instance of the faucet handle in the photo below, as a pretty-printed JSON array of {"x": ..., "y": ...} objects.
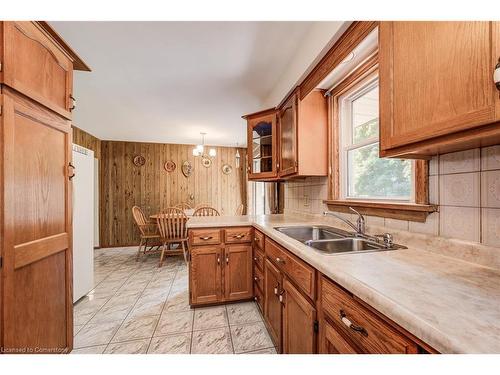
[{"x": 388, "y": 239}]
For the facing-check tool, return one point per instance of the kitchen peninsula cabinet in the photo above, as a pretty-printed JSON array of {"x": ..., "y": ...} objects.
[
  {"x": 220, "y": 267},
  {"x": 437, "y": 92}
]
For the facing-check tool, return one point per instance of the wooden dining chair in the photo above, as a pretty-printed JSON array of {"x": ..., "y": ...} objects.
[
  {"x": 148, "y": 230},
  {"x": 173, "y": 229},
  {"x": 206, "y": 211},
  {"x": 183, "y": 206},
  {"x": 239, "y": 210}
]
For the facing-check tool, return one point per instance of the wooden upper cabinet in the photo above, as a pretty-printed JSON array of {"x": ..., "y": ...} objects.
[
  {"x": 436, "y": 86},
  {"x": 287, "y": 116},
  {"x": 35, "y": 66},
  {"x": 238, "y": 272},
  {"x": 303, "y": 137},
  {"x": 262, "y": 145}
]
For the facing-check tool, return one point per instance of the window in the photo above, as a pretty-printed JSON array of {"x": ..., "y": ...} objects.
[{"x": 363, "y": 175}]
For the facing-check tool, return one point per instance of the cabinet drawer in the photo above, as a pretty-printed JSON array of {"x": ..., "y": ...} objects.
[
  {"x": 238, "y": 235},
  {"x": 259, "y": 298},
  {"x": 35, "y": 66},
  {"x": 258, "y": 278},
  {"x": 258, "y": 258},
  {"x": 365, "y": 329},
  {"x": 205, "y": 236},
  {"x": 302, "y": 274},
  {"x": 259, "y": 240}
]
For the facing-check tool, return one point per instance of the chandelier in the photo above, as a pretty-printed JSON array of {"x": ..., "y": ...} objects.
[{"x": 199, "y": 150}]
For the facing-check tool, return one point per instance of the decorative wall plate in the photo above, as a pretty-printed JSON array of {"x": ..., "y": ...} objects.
[
  {"x": 206, "y": 162},
  {"x": 139, "y": 160},
  {"x": 227, "y": 169},
  {"x": 187, "y": 168},
  {"x": 169, "y": 166}
]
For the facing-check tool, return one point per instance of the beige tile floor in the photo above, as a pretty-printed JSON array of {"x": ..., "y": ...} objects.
[{"x": 138, "y": 308}]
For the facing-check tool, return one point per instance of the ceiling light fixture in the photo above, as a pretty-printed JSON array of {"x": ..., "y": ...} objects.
[{"x": 199, "y": 149}]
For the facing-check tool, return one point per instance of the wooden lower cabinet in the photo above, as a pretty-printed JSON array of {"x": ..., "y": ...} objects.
[
  {"x": 272, "y": 304},
  {"x": 219, "y": 273},
  {"x": 332, "y": 342},
  {"x": 205, "y": 275},
  {"x": 238, "y": 272},
  {"x": 299, "y": 318}
]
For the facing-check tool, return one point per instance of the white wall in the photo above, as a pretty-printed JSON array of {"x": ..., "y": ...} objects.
[{"x": 311, "y": 48}]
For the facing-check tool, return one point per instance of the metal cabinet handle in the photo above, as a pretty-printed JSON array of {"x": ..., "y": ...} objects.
[
  {"x": 218, "y": 259},
  {"x": 276, "y": 289},
  {"x": 227, "y": 259},
  {"x": 206, "y": 238},
  {"x": 349, "y": 324},
  {"x": 281, "y": 296},
  {"x": 74, "y": 103},
  {"x": 70, "y": 165},
  {"x": 238, "y": 236},
  {"x": 279, "y": 260},
  {"x": 255, "y": 259},
  {"x": 256, "y": 278}
]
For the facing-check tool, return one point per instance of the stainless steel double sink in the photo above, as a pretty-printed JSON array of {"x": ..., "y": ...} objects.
[{"x": 330, "y": 240}]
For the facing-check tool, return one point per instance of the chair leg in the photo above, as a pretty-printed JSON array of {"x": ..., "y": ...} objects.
[
  {"x": 184, "y": 251},
  {"x": 138, "y": 251},
  {"x": 162, "y": 255}
]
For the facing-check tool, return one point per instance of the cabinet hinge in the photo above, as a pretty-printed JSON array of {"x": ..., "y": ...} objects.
[{"x": 316, "y": 326}]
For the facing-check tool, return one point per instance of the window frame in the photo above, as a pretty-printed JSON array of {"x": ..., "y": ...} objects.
[
  {"x": 415, "y": 210},
  {"x": 347, "y": 144}
]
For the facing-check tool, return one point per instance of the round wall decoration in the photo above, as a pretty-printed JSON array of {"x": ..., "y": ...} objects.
[
  {"x": 139, "y": 160},
  {"x": 206, "y": 162},
  {"x": 227, "y": 169},
  {"x": 169, "y": 166},
  {"x": 187, "y": 168}
]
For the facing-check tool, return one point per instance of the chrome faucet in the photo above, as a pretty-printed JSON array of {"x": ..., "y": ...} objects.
[{"x": 360, "y": 222}]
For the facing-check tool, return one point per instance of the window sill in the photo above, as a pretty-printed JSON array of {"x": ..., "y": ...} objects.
[{"x": 392, "y": 210}]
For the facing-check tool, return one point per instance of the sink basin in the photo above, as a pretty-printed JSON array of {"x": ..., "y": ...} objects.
[
  {"x": 330, "y": 240},
  {"x": 344, "y": 245},
  {"x": 307, "y": 233}
]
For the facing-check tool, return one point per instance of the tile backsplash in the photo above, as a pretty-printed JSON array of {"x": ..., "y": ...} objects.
[{"x": 465, "y": 185}]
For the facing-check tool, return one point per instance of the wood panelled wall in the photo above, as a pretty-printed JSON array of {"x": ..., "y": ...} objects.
[
  {"x": 87, "y": 140},
  {"x": 124, "y": 185}
]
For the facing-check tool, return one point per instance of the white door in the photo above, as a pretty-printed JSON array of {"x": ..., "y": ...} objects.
[{"x": 83, "y": 222}]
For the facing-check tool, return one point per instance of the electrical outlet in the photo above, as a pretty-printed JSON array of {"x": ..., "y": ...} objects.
[{"x": 306, "y": 201}]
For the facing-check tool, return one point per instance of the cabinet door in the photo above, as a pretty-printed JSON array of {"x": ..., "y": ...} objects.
[
  {"x": 35, "y": 66},
  {"x": 288, "y": 137},
  {"x": 298, "y": 322},
  {"x": 238, "y": 272},
  {"x": 262, "y": 147},
  {"x": 332, "y": 342},
  {"x": 205, "y": 274},
  {"x": 36, "y": 242},
  {"x": 272, "y": 304},
  {"x": 435, "y": 79}
]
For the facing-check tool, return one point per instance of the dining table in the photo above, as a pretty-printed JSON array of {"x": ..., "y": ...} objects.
[{"x": 189, "y": 212}]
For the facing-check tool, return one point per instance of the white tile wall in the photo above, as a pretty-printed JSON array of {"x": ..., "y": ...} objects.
[{"x": 465, "y": 185}]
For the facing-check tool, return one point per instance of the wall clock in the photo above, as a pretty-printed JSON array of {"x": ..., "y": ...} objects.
[
  {"x": 187, "y": 168},
  {"x": 206, "y": 162},
  {"x": 169, "y": 166},
  {"x": 227, "y": 169},
  {"x": 139, "y": 160}
]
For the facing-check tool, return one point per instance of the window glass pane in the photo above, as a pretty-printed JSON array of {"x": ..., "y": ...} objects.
[
  {"x": 365, "y": 116},
  {"x": 371, "y": 177}
]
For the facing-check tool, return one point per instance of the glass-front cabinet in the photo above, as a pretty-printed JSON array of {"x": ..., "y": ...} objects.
[{"x": 262, "y": 145}]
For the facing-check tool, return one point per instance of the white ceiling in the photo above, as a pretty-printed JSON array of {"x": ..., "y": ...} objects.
[{"x": 169, "y": 81}]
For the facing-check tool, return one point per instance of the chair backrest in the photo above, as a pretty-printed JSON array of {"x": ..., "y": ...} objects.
[
  {"x": 239, "y": 210},
  {"x": 172, "y": 224},
  {"x": 139, "y": 218},
  {"x": 206, "y": 211},
  {"x": 183, "y": 206}
]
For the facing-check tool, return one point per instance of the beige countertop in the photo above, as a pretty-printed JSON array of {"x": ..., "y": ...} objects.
[{"x": 452, "y": 305}]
